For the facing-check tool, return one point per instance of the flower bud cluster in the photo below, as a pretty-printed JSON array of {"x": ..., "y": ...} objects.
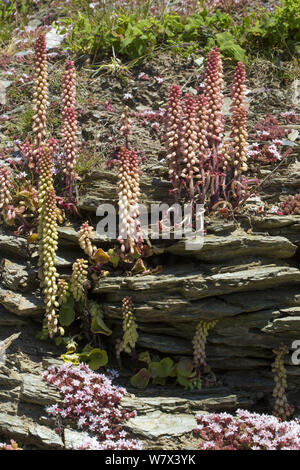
[
  {"x": 85, "y": 239},
  {"x": 48, "y": 237},
  {"x": 282, "y": 408},
  {"x": 130, "y": 334},
  {"x": 129, "y": 193},
  {"x": 6, "y": 187},
  {"x": 214, "y": 85},
  {"x": 126, "y": 129},
  {"x": 189, "y": 142},
  {"x": 79, "y": 279},
  {"x": 40, "y": 95},
  {"x": 62, "y": 290},
  {"x": 199, "y": 342}
]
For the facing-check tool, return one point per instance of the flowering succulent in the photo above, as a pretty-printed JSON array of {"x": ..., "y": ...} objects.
[
  {"x": 62, "y": 291},
  {"x": 69, "y": 140},
  {"x": 69, "y": 125},
  {"x": 92, "y": 401},
  {"x": 126, "y": 129},
  {"x": 84, "y": 238},
  {"x": 48, "y": 237},
  {"x": 6, "y": 187},
  {"x": 282, "y": 409},
  {"x": 214, "y": 85},
  {"x": 246, "y": 431},
  {"x": 291, "y": 205},
  {"x": 199, "y": 342},
  {"x": 40, "y": 95},
  {"x": 129, "y": 193},
  {"x": 239, "y": 121},
  {"x": 189, "y": 143},
  {"x": 173, "y": 134},
  {"x": 130, "y": 334},
  {"x": 68, "y": 88},
  {"x": 79, "y": 279}
]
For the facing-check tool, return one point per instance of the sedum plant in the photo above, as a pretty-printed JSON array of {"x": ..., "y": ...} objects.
[
  {"x": 40, "y": 95},
  {"x": 92, "y": 402},
  {"x": 246, "y": 431}
]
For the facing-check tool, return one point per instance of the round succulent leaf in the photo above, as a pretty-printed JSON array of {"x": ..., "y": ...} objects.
[
  {"x": 141, "y": 379},
  {"x": 156, "y": 370},
  {"x": 97, "y": 358},
  {"x": 166, "y": 365}
]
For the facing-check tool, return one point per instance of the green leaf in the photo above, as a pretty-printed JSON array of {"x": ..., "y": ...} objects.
[
  {"x": 98, "y": 326},
  {"x": 141, "y": 379},
  {"x": 97, "y": 358},
  {"x": 166, "y": 365}
]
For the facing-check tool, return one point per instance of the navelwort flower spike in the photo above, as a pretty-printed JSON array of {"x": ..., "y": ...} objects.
[
  {"x": 239, "y": 121},
  {"x": 62, "y": 290},
  {"x": 199, "y": 342},
  {"x": 214, "y": 85},
  {"x": 129, "y": 193},
  {"x": 79, "y": 279},
  {"x": 68, "y": 88},
  {"x": 48, "y": 237},
  {"x": 189, "y": 144},
  {"x": 84, "y": 238},
  {"x": 126, "y": 123},
  {"x": 130, "y": 334},
  {"x": 47, "y": 257},
  {"x": 282, "y": 409},
  {"x": 40, "y": 95},
  {"x": 6, "y": 187}
]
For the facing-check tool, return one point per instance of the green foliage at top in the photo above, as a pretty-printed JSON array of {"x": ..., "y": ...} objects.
[{"x": 134, "y": 35}]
